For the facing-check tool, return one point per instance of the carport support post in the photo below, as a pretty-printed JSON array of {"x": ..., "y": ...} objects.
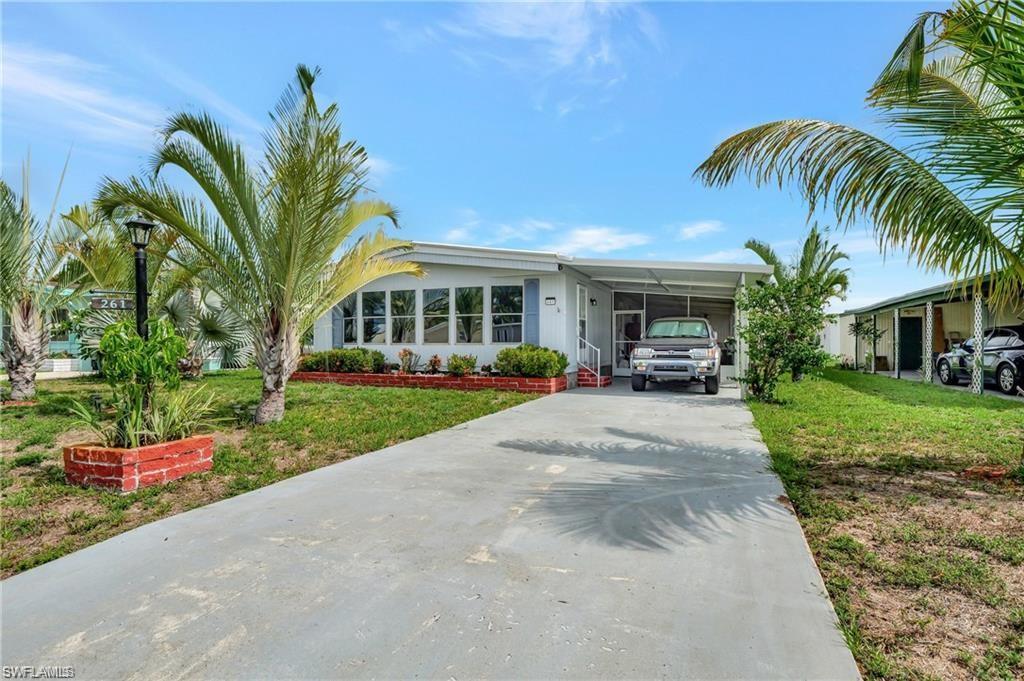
[
  {"x": 741, "y": 346},
  {"x": 926, "y": 342},
  {"x": 977, "y": 378},
  {"x": 896, "y": 341}
]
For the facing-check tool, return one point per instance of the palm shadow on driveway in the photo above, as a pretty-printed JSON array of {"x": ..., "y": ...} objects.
[{"x": 651, "y": 492}]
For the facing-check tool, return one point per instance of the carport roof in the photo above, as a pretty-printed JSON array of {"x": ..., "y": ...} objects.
[
  {"x": 693, "y": 278},
  {"x": 950, "y": 292}
]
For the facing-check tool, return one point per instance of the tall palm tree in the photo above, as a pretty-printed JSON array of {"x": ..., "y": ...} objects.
[
  {"x": 268, "y": 235},
  {"x": 33, "y": 285},
  {"x": 952, "y": 194}
]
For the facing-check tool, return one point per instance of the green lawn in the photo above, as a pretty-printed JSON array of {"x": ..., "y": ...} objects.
[
  {"x": 43, "y": 517},
  {"x": 925, "y": 567}
]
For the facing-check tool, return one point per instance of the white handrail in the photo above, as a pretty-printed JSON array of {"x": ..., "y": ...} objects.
[{"x": 586, "y": 349}]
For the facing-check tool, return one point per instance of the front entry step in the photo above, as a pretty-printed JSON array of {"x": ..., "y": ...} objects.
[{"x": 585, "y": 379}]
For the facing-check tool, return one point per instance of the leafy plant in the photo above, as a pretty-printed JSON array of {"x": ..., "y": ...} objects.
[
  {"x": 266, "y": 234},
  {"x": 815, "y": 273},
  {"x": 434, "y": 364},
  {"x": 180, "y": 414},
  {"x": 134, "y": 368},
  {"x": 781, "y": 320},
  {"x": 461, "y": 365},
  {"x": 531, "y": 361},
  {"x": 869, "y": 334},
  {"x": 408, "y": 361},
  {"x": 952, "y": 196}
]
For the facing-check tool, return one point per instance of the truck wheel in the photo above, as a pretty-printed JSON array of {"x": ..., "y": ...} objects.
[
  {"x": 711, "y": 385},
  {"x": 639, "y": 383}
]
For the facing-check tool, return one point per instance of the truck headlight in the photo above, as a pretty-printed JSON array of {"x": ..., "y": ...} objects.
[
  {"x": 699, "y": 353},
  {"x": 643, "y": 352}
]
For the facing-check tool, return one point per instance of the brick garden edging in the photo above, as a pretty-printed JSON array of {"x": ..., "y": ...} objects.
[
  {"x": 438, "y": 381},
  {"x": 126, "y": 470}
]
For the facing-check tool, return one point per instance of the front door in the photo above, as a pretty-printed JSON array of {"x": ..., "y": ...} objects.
[
  {"x": 628, "y": 328},
  {"x": 911, "y": 344}
]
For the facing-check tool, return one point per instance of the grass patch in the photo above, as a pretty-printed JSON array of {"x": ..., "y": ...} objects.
[
  {"x": 42, "y": 517},
  {"x": 923, "y": 566}
]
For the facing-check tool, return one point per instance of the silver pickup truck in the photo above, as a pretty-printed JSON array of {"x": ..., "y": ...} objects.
[{"x": 677, "y": 349}]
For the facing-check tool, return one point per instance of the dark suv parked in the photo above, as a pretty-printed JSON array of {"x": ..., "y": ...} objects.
[{"x": 1002, "y": 357}]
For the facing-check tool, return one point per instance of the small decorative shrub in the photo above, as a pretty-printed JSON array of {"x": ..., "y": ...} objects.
[
  {"x": 345, "y": 361},
  {"x": 134, "y": 369},
  {"x": 434, "y": 364},
  {"x": 460, "y": 365},
  {"x": 531, "y": 361},
  {"x": 408, "y": 361},
  {"x": 486, "y": 369}
]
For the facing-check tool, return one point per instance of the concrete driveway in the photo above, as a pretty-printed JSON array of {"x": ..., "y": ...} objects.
[{"x": 594, "y": 533}]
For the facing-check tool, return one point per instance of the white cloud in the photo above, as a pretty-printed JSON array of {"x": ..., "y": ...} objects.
[
  {"x": 378, "y": 169},
  {"x": 693, "y": 230},
  {"x": 458, "y": 235},
  {"x": 597, "y": 239},
  {"x": 566, "y": 51},
  {"x": 68, "y": 92},
  {"x": 728, "y": 255}
]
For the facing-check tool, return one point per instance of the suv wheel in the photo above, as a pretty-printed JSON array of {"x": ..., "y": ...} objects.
[
  {"x": 711, "y": 385},
  {"x": 639, "y": 382},
  {"x": 946, "y": 375},
  {"x": 1006, "y": 379}
]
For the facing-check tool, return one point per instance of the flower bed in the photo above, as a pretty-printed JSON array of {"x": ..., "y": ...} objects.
[
  {"x": 439, "y": 381},
  {"x": 126, "y": 470}
]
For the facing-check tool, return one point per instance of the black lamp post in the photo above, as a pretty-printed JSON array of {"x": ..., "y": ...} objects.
[{"x": 139, "y": 228}]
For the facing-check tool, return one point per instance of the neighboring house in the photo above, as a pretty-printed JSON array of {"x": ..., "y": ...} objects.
[
  {"x": 920, "y": 325},
  {"x": 477, "y": 300}
]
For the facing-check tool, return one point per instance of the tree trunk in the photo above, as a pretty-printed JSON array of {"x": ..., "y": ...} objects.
[
  {"x": 25, "y": 350},
  {"x": 277, "y": 355}
]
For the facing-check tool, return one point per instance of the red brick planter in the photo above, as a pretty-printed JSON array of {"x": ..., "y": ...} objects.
[
  {"x": 126, "y": 470},
  {"x": 512, "y": 383}
]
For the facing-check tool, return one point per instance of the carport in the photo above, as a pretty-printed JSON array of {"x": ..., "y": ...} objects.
[
  {"x": 916, "y": 327},
  {"x": 642, "y": 291}
]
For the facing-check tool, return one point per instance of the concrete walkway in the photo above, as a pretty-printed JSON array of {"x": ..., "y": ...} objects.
[{"x": 590, "y": 534}]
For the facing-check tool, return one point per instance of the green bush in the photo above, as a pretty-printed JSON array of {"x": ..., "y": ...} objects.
[
  {"x": 460, "y": 365},
  {"x": 531, "y": 361},
  {"x": 345, "y": 361}
]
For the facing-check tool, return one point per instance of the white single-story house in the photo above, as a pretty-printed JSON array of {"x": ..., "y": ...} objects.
[{"x": 477, "y": 300}]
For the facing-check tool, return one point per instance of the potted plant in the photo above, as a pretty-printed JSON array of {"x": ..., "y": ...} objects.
[{"x": 152, "y": 438}]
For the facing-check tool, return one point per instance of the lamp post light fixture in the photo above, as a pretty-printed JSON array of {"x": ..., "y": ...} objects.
[{"x": 140, "y": 228}]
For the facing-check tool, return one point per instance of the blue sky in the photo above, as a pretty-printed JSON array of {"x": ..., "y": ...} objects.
[{"x": 562, "y": 126}]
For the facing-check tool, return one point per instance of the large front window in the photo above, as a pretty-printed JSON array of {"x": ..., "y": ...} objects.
[
  {"x": 469, "y": 314},
  {"x": 374, "y": 317},
  {"x": 506, "y": 314},
  {"x": 436, "y": 315},
  {"x": 403, "y": 317}
]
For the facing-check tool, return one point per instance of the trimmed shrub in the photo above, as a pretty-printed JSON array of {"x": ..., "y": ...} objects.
[
  {"x": 531, "y": 361},
  {"x": 460, "y": 365},
  {"x": 345, "y": 361}
]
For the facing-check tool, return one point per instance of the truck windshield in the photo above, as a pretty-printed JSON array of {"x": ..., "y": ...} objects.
[{"x": 677, "y": 328}]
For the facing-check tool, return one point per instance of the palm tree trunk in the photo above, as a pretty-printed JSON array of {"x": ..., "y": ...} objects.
[
  {"x": 277, "y": 357},
  {"x": 24, "y": 352}
]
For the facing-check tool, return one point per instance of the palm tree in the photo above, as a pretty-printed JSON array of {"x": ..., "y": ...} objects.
[
  {"x": 268, "y": 235},
  {"x": 817, "y": 263},
  {"x": 814, "y": 277},
  {"x": 32, "y": 285},
  {"x": 102, "y": 252},
  {"x": 953, "y": 194}
]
